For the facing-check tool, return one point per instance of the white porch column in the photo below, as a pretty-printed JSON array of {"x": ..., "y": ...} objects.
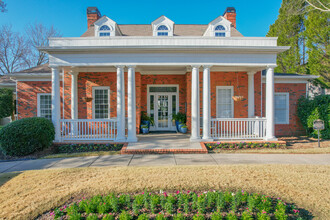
[
  {"x": 131, "y": 106},
  {"x": 74, "y": 94},
  {"x": 270, "y": 108},
  {"x": 206, "y": 104},
  {"x": 56, "y": 102},
  {"x": 120, "y": 104},
  {"x": 251, "y": 94},
  {"x": 195, "y": 112}
]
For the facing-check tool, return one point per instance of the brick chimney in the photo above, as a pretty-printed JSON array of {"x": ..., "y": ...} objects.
[
  {"x": 230, "y": 15},
  {"x": 93, "y": 14}
]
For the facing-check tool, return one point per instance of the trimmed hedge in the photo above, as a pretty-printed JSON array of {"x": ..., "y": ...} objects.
[
  {"x": 26, "y": 136},
  {"x": 312, "y": 109},
  {"x": 6, "y": 102}
]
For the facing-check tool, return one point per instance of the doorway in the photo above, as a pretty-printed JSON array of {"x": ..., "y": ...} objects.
[{"x": 163, "y": 102}]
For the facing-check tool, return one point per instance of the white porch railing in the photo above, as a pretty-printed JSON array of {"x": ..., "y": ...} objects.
[
  {"x": 89, "y": 129},
  {"x": 238, "y": 128}
]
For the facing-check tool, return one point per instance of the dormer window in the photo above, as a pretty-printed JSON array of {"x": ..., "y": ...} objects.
[
  {"x": 104, "y": 31},
  {"x": 162, "y": 30},
  {"x": 220, "y": 31}
]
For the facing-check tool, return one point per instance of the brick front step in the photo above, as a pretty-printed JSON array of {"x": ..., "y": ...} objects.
[{"x": 203, "y": 150}]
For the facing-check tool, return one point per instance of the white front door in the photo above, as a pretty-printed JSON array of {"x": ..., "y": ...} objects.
[{"x": 162, "y": 103}]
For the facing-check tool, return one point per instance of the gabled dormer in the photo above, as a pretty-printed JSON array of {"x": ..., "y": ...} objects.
[
  {"x": 219, "y": 27},
  {"x": 162, "y": 26},
  {"x": 106, "y": 27}
]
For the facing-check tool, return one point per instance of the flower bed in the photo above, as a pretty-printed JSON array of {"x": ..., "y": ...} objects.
[
  {"x": 212, "y": 205},
  {"x": 243, "y": 145},
  {"x": 77, "y": 148}
]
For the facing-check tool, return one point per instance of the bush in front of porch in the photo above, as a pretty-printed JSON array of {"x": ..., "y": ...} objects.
[
  {"x": 311, "y": 109},
  {"x": 26, "y": 136},
  {"x": 243, "y": 145},
  {"x": 80, "y": 148}
]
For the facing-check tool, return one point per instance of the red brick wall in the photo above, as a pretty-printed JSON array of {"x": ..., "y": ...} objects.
[
  {"x": 295, "y": 90},
  {"x": 27, "y": 97},
  {"x": 239, "y": 81}
]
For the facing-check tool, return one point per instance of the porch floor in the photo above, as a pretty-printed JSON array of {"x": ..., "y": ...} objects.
[{"x": 163, "y": 142}]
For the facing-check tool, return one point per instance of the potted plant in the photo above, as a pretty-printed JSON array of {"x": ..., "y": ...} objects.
[
  {"x": 180, "y": 118},
  {"x": 184, "y": 128},
  {"x": 144, "y": 128},
  {"x": 145, "y": 119}
]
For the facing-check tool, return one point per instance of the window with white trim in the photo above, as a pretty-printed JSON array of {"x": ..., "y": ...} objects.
[
  {"x": 282, "y": 108},
  {"x": 104, "y": 31},
  {"x": 101, "y": 102},
  {"x": 45, "y": 105},
  {"x": 225, "y": 103},
  {"x": 220, "y": 31},
  {"x": 162, "y": 30}
]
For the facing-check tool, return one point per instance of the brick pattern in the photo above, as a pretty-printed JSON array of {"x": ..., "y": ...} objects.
[
  {"x": 294, "y": 128},
  {"x": 124, "y": 150},
  {"x": 239, "y": 81},
  {"x": 27, "y": 95}
]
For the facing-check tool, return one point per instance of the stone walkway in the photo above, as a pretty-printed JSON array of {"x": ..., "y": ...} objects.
[{"x": 165, "y": 160}]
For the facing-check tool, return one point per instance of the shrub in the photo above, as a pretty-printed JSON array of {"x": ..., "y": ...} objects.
[
  {"x": 6, "y": 103},
  {"x": 312, "y": 109},
  {"x": 26, "y": 136}
]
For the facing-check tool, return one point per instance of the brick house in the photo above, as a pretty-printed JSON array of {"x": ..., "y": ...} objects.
[{"x": 96, "y": 86}]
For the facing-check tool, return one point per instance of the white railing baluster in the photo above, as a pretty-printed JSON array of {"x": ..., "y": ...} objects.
[
  {"x": 88, "y": 129},
  {"x": 238, "y": 128}
]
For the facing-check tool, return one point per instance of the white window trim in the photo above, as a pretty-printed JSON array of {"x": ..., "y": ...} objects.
[
  {"x": 232, "y": 101},
  {"x": 163, "y": 31},
  {"x": 38, "y": 103},
  {"x": 287, "y": 96},
  {"x": 101, "y": 87}
]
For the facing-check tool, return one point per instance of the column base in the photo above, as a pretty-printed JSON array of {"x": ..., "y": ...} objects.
[
  {"x": 270, "y": 139},
  {"x": 120, "y": 139},
  {"x": 132, "y": 140},
  {"x": 207, "y": 139},
  {"x": 195, "y": 139}
]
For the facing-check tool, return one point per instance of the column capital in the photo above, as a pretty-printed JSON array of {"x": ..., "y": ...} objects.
[
  {"x": 131, "y": 66},
  {"x": 74, "y": 72},
  {"x": 251, "y": 72},
  {"x": 271, "y": 66},
  {"x": 120, "y": 66},
  {"x": 195, "y": 66},
  {"x": 207, "y": 66},
  {"x": 54, "y": 66}
]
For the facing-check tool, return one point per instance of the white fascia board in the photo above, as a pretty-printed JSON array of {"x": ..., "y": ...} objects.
[
  {"x": 291, "y": 79},
  {"x": 162, "y": 59},
  {"x": 146, "y": 41},
  {"x": 113, "y": 49},
  {"x": 32, "y": 76}
]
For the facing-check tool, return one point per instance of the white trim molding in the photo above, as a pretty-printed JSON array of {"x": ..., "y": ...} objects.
[
  {"x": 93, "y": 102},
  {"x": 232, "y": 101},
  {"x": 287, "y": 109}
]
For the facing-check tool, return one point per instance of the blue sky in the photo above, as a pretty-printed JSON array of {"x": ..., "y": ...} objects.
[{"x": 69, "y": 16}]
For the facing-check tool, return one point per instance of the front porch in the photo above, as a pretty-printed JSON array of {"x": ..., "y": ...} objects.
[{"x": 162, "y": 95}]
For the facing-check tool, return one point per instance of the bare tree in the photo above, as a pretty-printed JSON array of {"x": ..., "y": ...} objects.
[
  {"x": 38, "y": 36},
  {"x": 2, "y": 6},
  {"x": 14, "y": 51}
]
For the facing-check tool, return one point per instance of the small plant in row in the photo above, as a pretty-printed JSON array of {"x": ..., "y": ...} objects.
[
  {"x": 213, "y": 205},
  {"x": 243, "y": 145},
  {"x": 76, "y": 148}
]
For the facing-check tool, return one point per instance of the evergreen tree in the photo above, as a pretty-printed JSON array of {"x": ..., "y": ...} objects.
[
  {"x": 318, "y": 48},
  {"x": 288, "y": 28}
]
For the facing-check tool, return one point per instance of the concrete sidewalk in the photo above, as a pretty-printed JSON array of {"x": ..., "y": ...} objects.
[{"x": 165, "y": 160}]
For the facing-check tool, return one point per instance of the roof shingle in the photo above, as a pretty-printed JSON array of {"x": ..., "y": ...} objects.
[{"x": 146, "y": 30}]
